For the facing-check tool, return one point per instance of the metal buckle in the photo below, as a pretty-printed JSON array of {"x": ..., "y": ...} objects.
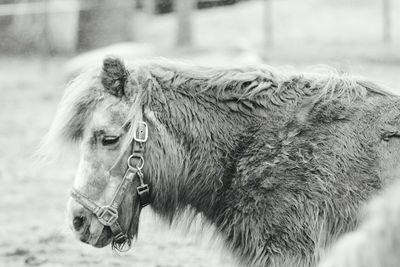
[
  {"x": 120, "y": 238},
  {"x": 139, "y": 164},
  {"x": 107, "y": 215},
  {"x": 121, "y": 243},
  {"x": 142, "y": 132}
]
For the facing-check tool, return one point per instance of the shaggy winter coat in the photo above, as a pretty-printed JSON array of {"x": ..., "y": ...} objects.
[{"x": 278, "y": 162}]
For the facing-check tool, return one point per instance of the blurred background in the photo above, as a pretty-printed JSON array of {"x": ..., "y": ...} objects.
[{"x": 43, "y": 43}]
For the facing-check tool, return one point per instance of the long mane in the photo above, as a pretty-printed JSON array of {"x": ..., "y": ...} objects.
[
  {"x": 256, "y": 86},
  {"x": 257, "y": 82}
]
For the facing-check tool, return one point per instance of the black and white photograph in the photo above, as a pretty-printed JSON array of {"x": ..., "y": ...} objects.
[{"x": 200, "y": 133}]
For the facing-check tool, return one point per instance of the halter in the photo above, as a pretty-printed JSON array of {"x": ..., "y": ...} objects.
[{"x": 108, "y": 214}]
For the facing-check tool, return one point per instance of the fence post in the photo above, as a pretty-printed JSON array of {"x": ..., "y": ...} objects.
[
  {"x": 108, "y": 22},
  {"x": 387, "y": 25},
  {"x": 268, "y": 23},
  {"x": 183, "y": 12},
  {"x": 45, "y": 45}
]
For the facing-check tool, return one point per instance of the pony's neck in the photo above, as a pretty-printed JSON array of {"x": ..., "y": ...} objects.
[{"x": 192, "y": 146}]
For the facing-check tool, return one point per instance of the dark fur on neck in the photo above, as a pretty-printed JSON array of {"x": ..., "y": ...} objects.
[{"x": 277, "y": 189}]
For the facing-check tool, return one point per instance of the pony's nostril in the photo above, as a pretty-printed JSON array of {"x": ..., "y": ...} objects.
[{"x": 78, "y": 222}]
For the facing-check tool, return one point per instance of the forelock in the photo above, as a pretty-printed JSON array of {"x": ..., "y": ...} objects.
[{"x": 76, "y": 106}]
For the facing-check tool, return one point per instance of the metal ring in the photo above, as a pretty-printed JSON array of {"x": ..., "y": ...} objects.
[{"x": 140, "y": 164}]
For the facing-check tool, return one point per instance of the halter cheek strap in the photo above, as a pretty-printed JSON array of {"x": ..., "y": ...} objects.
[{"x": 108, "y": 214}]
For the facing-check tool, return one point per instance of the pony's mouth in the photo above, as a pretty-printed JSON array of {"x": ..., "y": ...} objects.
[
  {"x": 105, "y": 238},
  {"x": 97, "y": 240},
  {"x": 95, "y": 236}
]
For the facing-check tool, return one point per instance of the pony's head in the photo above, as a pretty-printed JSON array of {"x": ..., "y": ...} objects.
[{"x": 99, "y": 112}]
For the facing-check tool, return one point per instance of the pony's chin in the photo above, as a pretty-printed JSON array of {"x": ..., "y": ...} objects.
[{"x": 105, "y": 238}]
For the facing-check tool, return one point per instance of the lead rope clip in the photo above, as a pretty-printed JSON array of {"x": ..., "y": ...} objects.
[{"x": 143, "y": 191}]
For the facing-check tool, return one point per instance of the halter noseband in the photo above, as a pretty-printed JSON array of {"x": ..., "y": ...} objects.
[{"x": 108, "y": 214}]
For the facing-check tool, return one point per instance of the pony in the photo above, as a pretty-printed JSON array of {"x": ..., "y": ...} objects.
[{"x": 278, "y": 162}]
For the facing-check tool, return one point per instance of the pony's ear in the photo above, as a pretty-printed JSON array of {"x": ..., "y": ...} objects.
[{"x": 114, "y": 76}]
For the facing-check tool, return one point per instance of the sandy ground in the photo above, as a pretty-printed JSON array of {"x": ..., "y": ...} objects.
[{"x": 33, "y": 229}]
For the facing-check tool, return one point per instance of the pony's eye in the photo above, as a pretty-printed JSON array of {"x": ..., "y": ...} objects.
[{"x": 109, "y": 140}]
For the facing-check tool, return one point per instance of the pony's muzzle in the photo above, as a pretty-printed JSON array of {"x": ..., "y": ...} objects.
[
  {"x": 85, "y": 225},
  {"x": 78, "y": 222},
  {"x": 79, "y": 217}
]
